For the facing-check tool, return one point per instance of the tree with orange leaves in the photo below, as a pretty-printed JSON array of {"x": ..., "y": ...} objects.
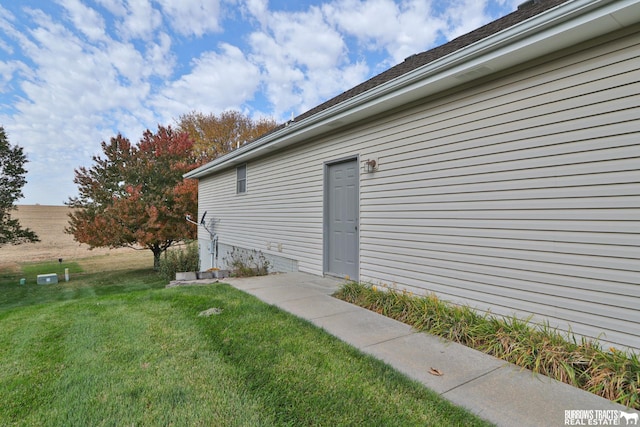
[
  {"x": 135, "y": 196},
  {"x": 216, "y": 135}
]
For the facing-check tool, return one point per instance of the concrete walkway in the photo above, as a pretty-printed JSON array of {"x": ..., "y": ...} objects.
[{"x": 491, "y": 388}]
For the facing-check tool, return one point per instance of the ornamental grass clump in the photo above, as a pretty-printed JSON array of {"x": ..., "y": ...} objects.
[{"x": 612, "y": 373}]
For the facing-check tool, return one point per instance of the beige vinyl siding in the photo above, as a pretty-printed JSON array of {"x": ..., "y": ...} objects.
[
  {"x": 519, "y": 195},
  {"x": 276, "y": 211}
]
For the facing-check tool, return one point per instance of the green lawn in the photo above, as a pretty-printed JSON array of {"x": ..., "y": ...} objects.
[{"x": 116, "y": 349}]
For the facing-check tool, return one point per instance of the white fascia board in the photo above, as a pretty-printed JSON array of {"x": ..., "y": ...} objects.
[{"x": 563, "y": 26}]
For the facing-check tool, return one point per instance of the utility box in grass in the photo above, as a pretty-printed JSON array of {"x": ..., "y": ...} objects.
[{"x": 47, "y": 279}]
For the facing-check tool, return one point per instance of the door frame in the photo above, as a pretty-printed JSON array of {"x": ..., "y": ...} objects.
[{"x": 325, "y": 214}]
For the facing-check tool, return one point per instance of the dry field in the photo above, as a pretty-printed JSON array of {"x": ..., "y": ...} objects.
[{"x": 49, "y": 223}]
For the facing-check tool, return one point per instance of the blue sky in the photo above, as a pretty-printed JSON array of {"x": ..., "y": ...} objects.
[{"x": 74, "y": 73}]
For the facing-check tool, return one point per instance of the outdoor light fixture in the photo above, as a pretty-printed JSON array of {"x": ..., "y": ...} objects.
[{"x": 370, "y": 165}]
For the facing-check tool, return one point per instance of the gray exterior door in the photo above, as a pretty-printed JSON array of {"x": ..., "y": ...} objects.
[{"x": 342, "y": 208}]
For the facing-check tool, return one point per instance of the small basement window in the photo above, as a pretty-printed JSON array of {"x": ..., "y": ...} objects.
[{"x": 241, "y": 179}]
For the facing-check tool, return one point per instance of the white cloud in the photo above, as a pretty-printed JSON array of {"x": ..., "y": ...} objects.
[
  {"x": 400, "y": 29},
  {"x": 81, "y": 88},
  {"x": 159, "y": 57},
  {"x": 5, "y": 14},
  {"x": 87, "y": 85},
  {"x": 85, "y": 19},
  {"x": 138, "y": 20},
  {"x": 7, "y": 72},
  {"x": 256, "y": 9},
  {"x": 371, "y": 21},
  {"x": 6, "y": 27},
  {"x": 464, "y": 16},
  {"x": 6, "y": 47},
  {"x": 217, "y": 82},
  {"x": 303, "y": 58},
  {"x": 115, "y": 7},
  {"x": 509, "y": 5},
  {"x": 192, "y": 17}
]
